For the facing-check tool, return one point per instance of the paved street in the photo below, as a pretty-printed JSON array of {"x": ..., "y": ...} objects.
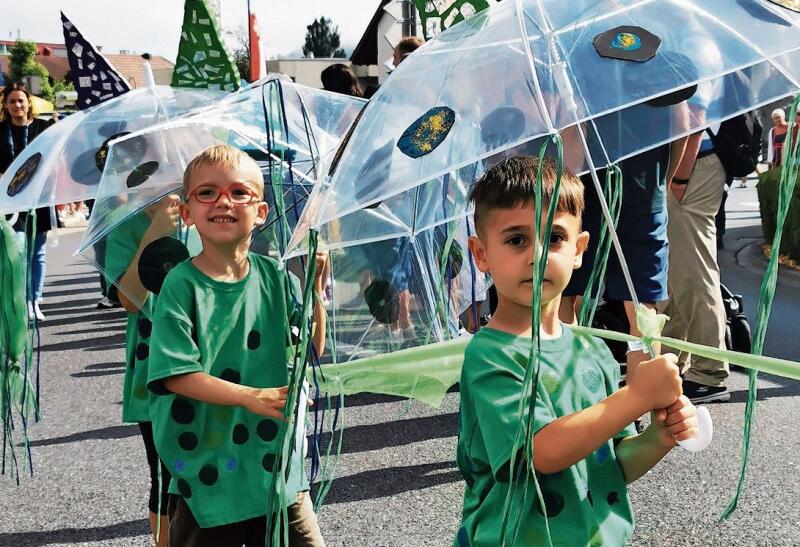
[{"x": 397, "y": 483}]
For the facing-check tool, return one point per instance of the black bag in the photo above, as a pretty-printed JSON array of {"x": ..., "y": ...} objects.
[
  {"x": 737, "y": 329},
  {"x": 738, "y": 144}
]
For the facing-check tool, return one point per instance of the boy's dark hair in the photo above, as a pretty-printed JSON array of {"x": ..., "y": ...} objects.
[{"x": 512, "y": 183}]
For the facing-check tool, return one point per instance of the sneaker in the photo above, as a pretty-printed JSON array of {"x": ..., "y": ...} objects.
[
  {"x": 37, "y": 311},
  {"x": 409, "y": 334},
  {"x": 30, "y": 311},
  {"x": 106, "y": 304},
  {"x": 699, "y": 393}
]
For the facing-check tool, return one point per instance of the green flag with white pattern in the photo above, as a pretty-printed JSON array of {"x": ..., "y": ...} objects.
[{"x": 203, "y": 60}]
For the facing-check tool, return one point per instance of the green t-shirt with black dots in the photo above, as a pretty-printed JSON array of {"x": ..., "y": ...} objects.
[
  {"x": 587, "y": 503},
  {"x": 120, "y": 248},
  {"x": 221, "y": 457}
]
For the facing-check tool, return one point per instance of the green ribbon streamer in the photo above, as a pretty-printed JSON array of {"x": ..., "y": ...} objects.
[
  {"x": 424, "y": 373},
  {"x": 16, "y": 391},
  {"x": 789, "y": 173},
  {"x": 282, "y": 466}
]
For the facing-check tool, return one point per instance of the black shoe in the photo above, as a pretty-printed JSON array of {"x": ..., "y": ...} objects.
[
  {"x": 699, "y": 393},
  {"x": 106, "y": 304}
]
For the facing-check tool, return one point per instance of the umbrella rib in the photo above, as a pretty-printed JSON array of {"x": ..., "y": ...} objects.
[{"x": 537, "y": 88}]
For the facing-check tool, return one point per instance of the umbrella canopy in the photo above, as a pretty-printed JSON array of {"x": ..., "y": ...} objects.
[
  {"x": 285, "y": 127},
  {"x": 65, "y": 162},
  {"x": 604, "y": 74}
]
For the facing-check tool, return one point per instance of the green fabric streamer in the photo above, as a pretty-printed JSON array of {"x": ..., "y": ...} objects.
[
  {"x": 287, "y": 432},
  {"x": 17, "y": 397},
  {"x": 789, "y": 172},
  {"x": 203, "y": 60},
  {"x": 424, "y": 373}
]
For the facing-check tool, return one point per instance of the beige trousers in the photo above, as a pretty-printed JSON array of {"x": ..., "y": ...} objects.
[{"x": 695, "y": 304}]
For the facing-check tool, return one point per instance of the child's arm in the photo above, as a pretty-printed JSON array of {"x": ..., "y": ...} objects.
[
  {"x": 204, "y": 387},
  {"x": 638, "y": 454},
  {"x": 570, "y": 439},
  {"x": 320, "y": 317},
  {"x": 165, "y": 215}
]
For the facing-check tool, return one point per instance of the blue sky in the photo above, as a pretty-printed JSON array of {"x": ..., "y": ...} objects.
[{"x": 154, "y": 25}]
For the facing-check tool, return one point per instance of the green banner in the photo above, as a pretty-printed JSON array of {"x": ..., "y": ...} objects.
[
  {"x": 439, "y": 15},
  {"x": 203, "y": 61}
]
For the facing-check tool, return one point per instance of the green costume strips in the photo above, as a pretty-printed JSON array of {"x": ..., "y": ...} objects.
[
  {"x": 17, "y": 397},
  {"x": 121, "y": 246},
  {"x": 423, "y": 373},
  {"x": 203, "y": 61},
  {"x": 587, "y": 504},
  {"x": 221, "y": 457}
]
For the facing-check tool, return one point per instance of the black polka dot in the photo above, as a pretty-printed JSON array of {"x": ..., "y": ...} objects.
[
  {"x": 253, "y": 339},
  {"x": 267, "y": 429},
  {"x": 145, "y": 327},
  {"x": 142, "y": 351},
  {"x": 231, "y": 375},
  {"x": 240, "y": 434},
  {"x": 552, "y": 501},
  {"x": 182, "y": 411},
  {"x": 187, "y": 441},
  {"x": 268, "y": 461},
  {"x": 184, "y": 488},
  {"x": 612, "y": 498},
  {"x": 208, "y": 475}
]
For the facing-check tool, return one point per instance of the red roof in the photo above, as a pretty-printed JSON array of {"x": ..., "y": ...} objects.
[{"x": 130, "y": 66}]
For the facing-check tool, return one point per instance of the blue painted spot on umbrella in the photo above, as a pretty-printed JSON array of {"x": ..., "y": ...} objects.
[{"x": 427, "y": 132}]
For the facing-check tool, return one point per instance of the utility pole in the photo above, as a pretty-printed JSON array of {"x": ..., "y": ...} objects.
[{"x": 409, "y": 18}]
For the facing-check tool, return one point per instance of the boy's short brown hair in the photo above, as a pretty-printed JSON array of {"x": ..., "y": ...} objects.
[
  {"x": 223, "y": 155},
  {"x": 512, "y": 183}
]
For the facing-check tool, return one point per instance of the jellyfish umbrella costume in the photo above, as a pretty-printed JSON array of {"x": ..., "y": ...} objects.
[
  {"x": 286, "y": 128},
  {"x": 602, "y": 81}
]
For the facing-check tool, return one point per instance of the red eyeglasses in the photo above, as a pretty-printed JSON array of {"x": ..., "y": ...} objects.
[{"x": 238, "y": 194}]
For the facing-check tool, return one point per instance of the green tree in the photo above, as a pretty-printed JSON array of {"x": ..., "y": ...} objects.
[
  {"x": 322, "y": 39},
  {"x": 22, "y": 63}
]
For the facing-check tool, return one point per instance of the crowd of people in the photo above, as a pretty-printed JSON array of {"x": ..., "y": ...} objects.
[{"x": 212, "y": 438}]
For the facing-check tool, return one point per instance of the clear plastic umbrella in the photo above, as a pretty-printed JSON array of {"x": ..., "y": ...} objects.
[
  {"x": 286, "y": 127},
  {"x": 524, "y": 70},
  {"x": 65, "y": 162}
]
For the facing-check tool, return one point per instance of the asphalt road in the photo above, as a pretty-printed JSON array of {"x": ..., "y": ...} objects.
[{"x": 396, "y": 482}]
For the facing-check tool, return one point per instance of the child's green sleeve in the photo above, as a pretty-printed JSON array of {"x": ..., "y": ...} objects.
[
  {"x": 497, "y": 391},
  {"x": 173, "y": 349}
]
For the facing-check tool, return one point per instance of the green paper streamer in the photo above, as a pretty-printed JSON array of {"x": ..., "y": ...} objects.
[
  {"x": 17, "y": 397},
  {"x": 424, "y": 373},
  {"x": 203, "y": 60},
  {"x": 789, "y": 172}
]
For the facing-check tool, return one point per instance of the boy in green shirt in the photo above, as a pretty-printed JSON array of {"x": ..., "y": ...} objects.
[
  {"x": 584, "y": 448},
  {"x": 218, "y": 365}
]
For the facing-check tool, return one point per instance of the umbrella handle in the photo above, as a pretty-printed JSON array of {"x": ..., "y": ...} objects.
[{"x": 705, "y": 432}]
